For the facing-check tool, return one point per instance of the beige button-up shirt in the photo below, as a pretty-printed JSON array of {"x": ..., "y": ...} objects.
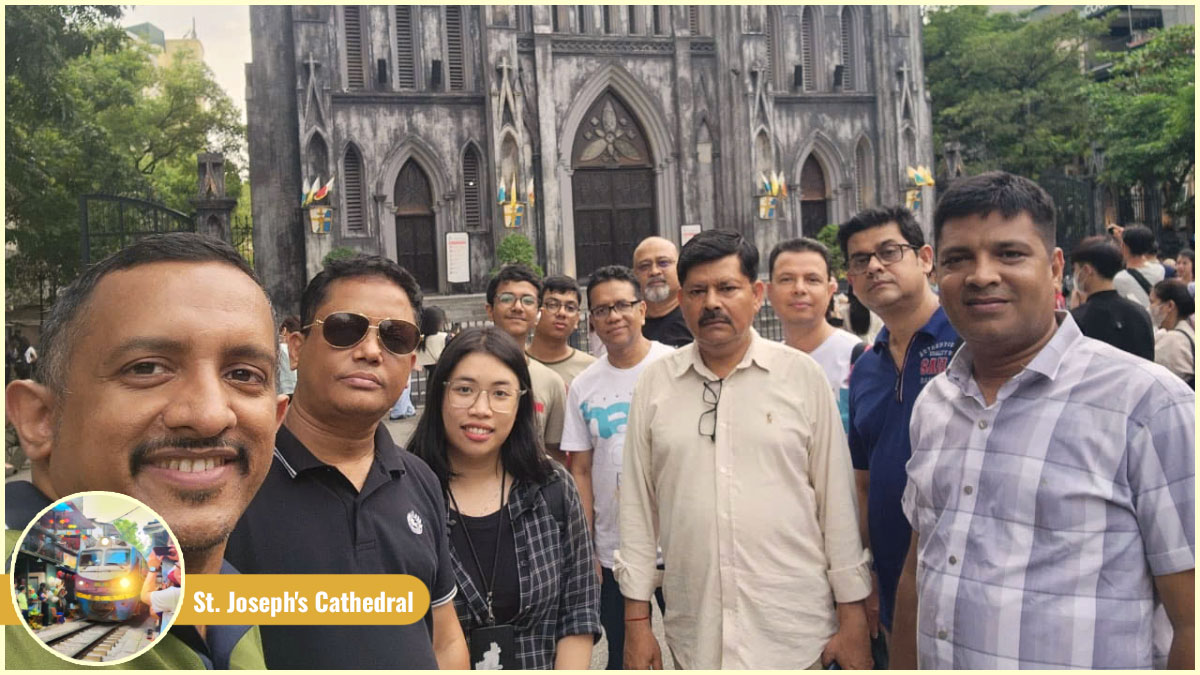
[{"x": 758, "y": 528}]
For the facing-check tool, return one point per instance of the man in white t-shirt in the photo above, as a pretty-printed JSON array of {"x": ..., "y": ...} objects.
[
  {"x": 1142, "y": 269},
  {"x": 597, "y": 412},
  {"x": 800, "y": 291},
  {"x": 163, "y": 601}
]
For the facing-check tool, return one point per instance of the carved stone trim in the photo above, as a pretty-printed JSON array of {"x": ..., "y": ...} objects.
[
  {"x": 409, "y": 98},
  {"x": 524, "y": 44},
  {"x": 703, "y": 47},
  {"x": 621, "y": 45},
  {"x": 810, "y": 98}
]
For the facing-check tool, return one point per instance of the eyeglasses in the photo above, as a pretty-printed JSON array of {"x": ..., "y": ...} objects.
[
  {"x": 620, "y": 306},
  {"x": 346, "y": 329},
  {"x": 712, "y": 396},
  {"x": 510, "y": 298},
  {"x": 554, "y": 305},
  {"x": 661, "y": 263},
  {"x": 888, "y": 254},
  {"x": 463, "y": 394}
]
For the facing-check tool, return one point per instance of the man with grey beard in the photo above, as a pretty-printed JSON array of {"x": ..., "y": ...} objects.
[{"x": 654, "y": 262}]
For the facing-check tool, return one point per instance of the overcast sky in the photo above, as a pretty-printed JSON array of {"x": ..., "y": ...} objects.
[{"x": 224, "y": 30}]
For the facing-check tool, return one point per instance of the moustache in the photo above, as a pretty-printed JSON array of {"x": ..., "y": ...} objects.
[
  {"x": 139, "y": 458},
  {"x": 713, "y": 316}
]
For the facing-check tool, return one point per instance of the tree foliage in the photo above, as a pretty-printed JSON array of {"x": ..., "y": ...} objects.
[
  {"x": 1144, "y": 115},
  {"x": 131, "y": 534},
  {"x": 516, "y": 248},
  {"x": 88, "y": 110},
  {"x": 1010, "y": 90}
]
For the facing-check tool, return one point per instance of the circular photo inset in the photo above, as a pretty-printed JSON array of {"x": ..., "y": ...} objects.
[{"x": 97, "y": 578}]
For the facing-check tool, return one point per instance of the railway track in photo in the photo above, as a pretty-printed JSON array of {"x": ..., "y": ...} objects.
[{"x": 91, "y": 641}]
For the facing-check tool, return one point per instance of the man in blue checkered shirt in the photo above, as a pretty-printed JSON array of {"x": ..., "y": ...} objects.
[{"x": 1051, "y": 488}]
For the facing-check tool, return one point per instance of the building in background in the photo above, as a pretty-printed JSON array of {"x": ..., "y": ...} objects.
[
  {"x": 623, "y": 122},
  {"x": 168, "y": 48}
]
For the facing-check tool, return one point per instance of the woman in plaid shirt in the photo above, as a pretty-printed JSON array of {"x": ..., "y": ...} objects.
[{"x": 528, "y": 593}]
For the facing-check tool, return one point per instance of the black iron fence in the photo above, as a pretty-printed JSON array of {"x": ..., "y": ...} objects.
[
  {"x": 241, "y": 231},
  {"x": 108, "y": 223}
]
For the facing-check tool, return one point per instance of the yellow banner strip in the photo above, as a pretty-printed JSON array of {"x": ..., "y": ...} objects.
[
  {"x": 303, "y": 599},
  {"x": 8, "y": 609}
]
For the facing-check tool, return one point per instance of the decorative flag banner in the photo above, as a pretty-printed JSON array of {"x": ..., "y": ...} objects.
[
  {"x": 920, "y": 177},
  {"x": 766, "y": 207},
  {"x": 321, "y": 219},
  {"x": 514, "y": 214},
  {"x": 766, "y": 184},
  {"x": 324, "y": 191},
  {"x": 529, "y": 191},
  {"x": 501, "y": 197},
  {"x": 782, "y": 185}
]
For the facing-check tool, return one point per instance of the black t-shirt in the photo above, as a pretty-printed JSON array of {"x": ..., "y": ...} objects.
[
  {"x": 1124, "y": 324},
  {"x": 669, "y": 329},
  {"x": 506, "y": 594},
  {"x": 309, "y": 519}
]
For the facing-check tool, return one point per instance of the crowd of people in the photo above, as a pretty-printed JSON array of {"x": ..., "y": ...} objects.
[{"x": 982, "y": 484}]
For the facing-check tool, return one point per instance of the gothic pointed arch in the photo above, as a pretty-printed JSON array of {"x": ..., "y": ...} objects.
[
  {"x": 316, "y": 158},
  {"x": 659, "y": 181},
  {"x": 808, "y": 49},
  {"x": 354, "y": 191},
  {"x": 773, "y": 28},
  {"x": 415, "y": 224},
  {"x": 818, "y": 171},
  {"x": 441, "y": 189},
  {"x": 853, "y": 73},
  {"x": 474, "y": 187}
]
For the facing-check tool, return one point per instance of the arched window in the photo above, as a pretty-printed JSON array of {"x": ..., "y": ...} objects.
[
  {"x": 808, "y": 50},
  {"x": 635, "y": 20},
  {"x": 354, "y": 182},
  {"x": 694, "y": 19},
  {"x": 864, "y": 175},
  {"x": 661, "y": 16},
  {"x": 352, "y": 23},
  {"x": 850, "y": 51},
  {"x": 316, "y": 160},
  {"x": 455, "y": 63},
  {"x": 472, "y": 180},
  {"x": 406, "y": 59}
]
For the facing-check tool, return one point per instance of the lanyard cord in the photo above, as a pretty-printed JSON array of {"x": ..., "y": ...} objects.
[{"x": 491, "y": 584}]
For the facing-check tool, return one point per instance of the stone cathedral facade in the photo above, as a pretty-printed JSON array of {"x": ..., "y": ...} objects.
[{"x": 583, "y": 127}]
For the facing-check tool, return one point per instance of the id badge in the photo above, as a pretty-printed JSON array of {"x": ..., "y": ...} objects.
[{"x": 493, "y": 648}]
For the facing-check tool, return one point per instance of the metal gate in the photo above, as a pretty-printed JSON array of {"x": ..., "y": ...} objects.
[
  {"x": 1075, "y": 206},
  {"x": 108, "y": 223}
]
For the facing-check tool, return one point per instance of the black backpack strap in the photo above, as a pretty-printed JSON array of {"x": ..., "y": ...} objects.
[
  {"x": 1189, "y": 338},
  {"x": 1137, "y": 276},
  {"x": 857, "y": 352}
]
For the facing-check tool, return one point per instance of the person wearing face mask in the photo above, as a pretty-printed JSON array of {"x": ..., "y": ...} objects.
[
  {"x": 1103, "y": 314},
  {"x": 1171, "y": 309}
]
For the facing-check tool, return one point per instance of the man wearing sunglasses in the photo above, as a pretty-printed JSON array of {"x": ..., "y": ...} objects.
[
  {"x": 557, "y": 320},
  {"x": 512, "y": 301},
  {"x": 736, "y": 462},
  {"x": 341, "y": 496},
  {"x": 157, "y": 381},
  {"x": 888, "y": 265}
]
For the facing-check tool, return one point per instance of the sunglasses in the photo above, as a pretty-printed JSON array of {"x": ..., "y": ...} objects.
[{"x": 346, "y": 329}]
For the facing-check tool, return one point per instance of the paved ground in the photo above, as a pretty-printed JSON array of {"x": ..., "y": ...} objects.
[{"x": 401, "y": 430}]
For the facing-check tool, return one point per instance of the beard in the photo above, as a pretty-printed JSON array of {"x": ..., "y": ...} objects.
[{"x": 657, "y": 292}]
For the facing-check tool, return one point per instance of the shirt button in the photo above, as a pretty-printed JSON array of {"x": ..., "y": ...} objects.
[
  {"x": 968, "y": 490},
  {"x": 942, "y": 634},
  {"x": 982, "y": 424},
  {"x": 953, "y": 560}
]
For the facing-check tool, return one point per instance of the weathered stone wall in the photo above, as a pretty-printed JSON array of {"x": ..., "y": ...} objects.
[{"x": 699, "y": 98}]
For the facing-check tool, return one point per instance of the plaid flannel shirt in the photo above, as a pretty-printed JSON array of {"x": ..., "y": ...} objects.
[{"x": 560, "y": 594}]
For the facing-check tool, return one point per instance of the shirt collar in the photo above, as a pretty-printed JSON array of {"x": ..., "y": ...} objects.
[
  {"x": 690, "y": 358},
  {"x": 296, "y": 458},
  {"x": 934, "y": 327},
  {"x": 1047, "y": 362}
]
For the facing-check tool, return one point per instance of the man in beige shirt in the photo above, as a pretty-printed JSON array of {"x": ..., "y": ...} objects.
[
  {"x": 512, "y": 301},
  {"x": 557, "y": 320},
  {"x": 736, "y": 463}
]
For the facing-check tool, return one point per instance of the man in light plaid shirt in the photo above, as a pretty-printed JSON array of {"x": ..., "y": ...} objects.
[{"x": 1051, "y": 488}]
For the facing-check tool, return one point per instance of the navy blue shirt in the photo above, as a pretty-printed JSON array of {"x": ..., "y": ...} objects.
[{"x": 881, "y": 403}]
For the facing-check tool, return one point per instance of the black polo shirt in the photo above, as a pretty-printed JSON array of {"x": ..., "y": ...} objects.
[
  {"x": 1122, "y": 323},
  {"x": 309, "y": 519}
]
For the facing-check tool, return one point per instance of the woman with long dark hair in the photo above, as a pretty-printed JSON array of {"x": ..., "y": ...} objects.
[{"x": 528, "y": 593}]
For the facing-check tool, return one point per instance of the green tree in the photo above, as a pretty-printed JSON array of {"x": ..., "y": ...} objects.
[
  {"x": 88, "y": 111},
  {"x": 837, "y": 263},
  {"x": 130, "y": 533},
  {"x": 1009, "y": 89},
  {"x": 516, "y": 248},
  {"x": 1144, "y": 115}
]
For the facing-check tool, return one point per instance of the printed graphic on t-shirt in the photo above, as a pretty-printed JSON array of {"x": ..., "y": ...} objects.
[{"x": 609, "y": 421}]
